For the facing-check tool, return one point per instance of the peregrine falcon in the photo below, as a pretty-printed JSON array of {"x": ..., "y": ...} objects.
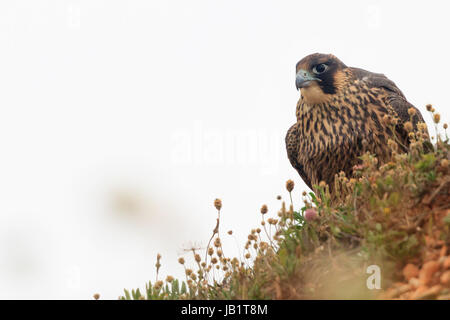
[{"x": 340, "y": 117}]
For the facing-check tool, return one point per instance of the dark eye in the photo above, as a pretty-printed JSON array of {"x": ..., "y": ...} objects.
[{"x": 320, "y": 68}]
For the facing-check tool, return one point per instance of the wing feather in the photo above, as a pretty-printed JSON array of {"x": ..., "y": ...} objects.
[
  {"x": 396, "y": 98},
  {"x": 292, "y": 145}
]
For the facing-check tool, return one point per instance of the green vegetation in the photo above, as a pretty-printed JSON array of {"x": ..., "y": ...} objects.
[{"x": 391, "y": 215}]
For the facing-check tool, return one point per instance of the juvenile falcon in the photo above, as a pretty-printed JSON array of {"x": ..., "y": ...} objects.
[{"x": 340, "y": 117}]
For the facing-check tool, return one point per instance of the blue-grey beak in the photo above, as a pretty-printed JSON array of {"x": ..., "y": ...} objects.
[{"x": 304, "y": 78}]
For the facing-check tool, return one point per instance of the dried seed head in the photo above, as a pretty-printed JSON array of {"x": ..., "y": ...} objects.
[
  {"x": 392, "y": 144},
  {"x": 436, "y": 118},
  {"x": 422, "y": 126},
  {"x": 158, "y": 284},
  {"x": 230, "y": 232},
  {"x": 278, "y": 197},
  {"x": 408, "y": 126},
  {"x": 290, "y": 185},
  {"x": 218, "y": 204},
  {"x": 429, "y": 107},
  {"x": 96, "y": 296},
  {"x": 214, "y": 260},
  {"x": 169, "y": 279},
  {"x": 445, "y": 126},
  {"x": 411, "y": 111},
  {"x": 247, "y": 255},
  {"x": 210, "y": 251},
  {"x": 197, "y": 257},
  {"x": 258, "y": 230},
  {"x": 263, "y": 245},
  {"x": 219, "y": 253},
  {"x": 181, "y": 260},
  {"x": 188, "y": 271},
  {"x": 322, "y": 184},
  {"x": 264, "y": 209}
]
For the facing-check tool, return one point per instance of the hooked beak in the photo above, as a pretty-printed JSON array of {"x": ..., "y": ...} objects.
[{"x": 304, "y": 78}]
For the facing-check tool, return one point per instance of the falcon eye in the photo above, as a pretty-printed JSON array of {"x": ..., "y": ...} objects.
[{"x": 320, "y": 68}]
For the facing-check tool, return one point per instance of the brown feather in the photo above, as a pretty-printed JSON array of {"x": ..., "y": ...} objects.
[{"x": 333, "y": 130}]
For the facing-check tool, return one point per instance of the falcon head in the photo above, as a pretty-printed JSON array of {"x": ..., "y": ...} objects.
[{"x": 318, "y": 76}]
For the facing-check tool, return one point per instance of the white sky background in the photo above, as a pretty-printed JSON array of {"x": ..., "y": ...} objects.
[{"x": 121, "y": 121}]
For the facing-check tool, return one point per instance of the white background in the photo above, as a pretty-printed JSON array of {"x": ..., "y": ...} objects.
[{"x": 121, "y": 121}]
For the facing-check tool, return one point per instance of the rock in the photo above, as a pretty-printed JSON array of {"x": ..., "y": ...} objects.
[
  {"x": 394, "y": 293},
  {"x": 445, "y": 278},
  {"x": 446, "y": 263},
  {"x": 419, "y": 291},
  {"x": 428, "y": 293},
  {"x": 389, "y": 294},
  {"x": 443, "y": 251},
  {"x": 410, "y": 271},
  {"x": 427, "y": 272},
  {"x": 404, "y": 288},
  {"x": 414, "y": 282}
]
